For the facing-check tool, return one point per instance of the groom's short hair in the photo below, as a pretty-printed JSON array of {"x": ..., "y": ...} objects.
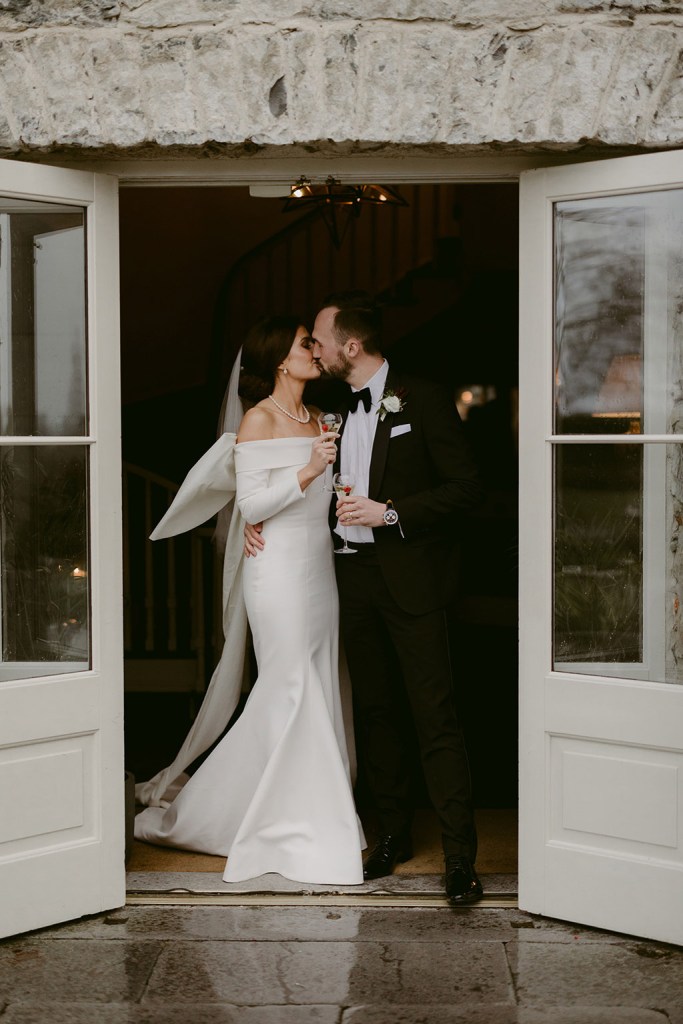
[{"x": 357, "y": 316}]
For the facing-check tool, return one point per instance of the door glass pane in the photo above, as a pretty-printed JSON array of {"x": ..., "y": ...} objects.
[
  {"x": 43, "y": 384},
  {"x": 618, "y": 315},
  {"x": 598, "y": 553},
  {"x": 619, "y": 560},
  {"x": 45, "y": 566}
]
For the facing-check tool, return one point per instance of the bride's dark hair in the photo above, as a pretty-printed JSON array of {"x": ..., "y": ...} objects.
[{"x": 268, "y": 342}]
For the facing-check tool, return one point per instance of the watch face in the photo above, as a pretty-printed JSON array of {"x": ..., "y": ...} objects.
[{"x": 391, "y": 517}]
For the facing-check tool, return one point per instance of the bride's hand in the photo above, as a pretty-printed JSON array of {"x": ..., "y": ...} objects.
[
  {"x": 323, "y": 454},
  {"x": 253, "y": 541}
]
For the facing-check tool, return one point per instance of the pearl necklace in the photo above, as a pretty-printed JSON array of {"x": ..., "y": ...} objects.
[{"x": 298, "y": 419}]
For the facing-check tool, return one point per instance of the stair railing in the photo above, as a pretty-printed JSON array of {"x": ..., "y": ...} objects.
[
  {"x": 172, "y": 620},
  {"x": 293, "y": 270}
]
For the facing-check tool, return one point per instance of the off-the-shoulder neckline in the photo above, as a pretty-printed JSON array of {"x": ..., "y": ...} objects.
[{"x": 269, "y": 440}]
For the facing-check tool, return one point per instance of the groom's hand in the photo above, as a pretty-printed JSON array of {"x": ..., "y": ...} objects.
[
  {"x": 360, "y": 511},
  {"x": 253, "y": 541}
]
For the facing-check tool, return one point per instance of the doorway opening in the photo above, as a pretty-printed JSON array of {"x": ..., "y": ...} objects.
[{"x": 198, "y": 265}]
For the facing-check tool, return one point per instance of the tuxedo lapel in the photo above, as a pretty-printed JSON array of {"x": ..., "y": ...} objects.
[{"x": 380, "y": 446}]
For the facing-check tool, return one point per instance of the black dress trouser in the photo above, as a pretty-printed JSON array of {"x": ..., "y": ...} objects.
[{"x": 370, "y": 616}]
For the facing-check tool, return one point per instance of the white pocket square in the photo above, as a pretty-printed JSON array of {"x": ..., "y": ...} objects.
[{"x": 403, "y": 428}]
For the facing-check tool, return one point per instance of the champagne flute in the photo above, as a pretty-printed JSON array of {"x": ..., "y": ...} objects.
[
  {"x": 343, "y": 485},
  {"x": 329, "y": 423}
]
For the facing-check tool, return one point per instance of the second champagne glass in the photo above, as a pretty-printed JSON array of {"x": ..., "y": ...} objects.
[
  {"x": 330, "y": 423},
  {"x": 343, "y": 485}
]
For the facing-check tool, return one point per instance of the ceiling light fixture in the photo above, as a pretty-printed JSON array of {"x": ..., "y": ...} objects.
[{"x": 335, "y": 198}]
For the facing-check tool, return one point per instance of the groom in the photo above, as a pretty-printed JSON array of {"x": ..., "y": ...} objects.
[{"x": 402, "y": 442}]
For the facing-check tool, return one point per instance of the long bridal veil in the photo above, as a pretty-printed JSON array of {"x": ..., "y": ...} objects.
[{"x": 209, "y": 489}]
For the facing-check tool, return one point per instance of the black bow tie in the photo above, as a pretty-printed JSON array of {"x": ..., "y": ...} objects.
[{"x": 363, "y": 396}]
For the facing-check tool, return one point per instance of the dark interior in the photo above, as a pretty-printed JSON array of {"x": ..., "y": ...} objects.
[{"x": 198, "y": 265}]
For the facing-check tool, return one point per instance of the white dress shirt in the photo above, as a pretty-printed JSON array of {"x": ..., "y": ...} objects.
[{"x": 356, "y": 448}]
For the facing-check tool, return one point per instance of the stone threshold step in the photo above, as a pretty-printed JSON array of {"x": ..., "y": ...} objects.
[
  {"x": 185, "y": 898},
  {"x": 165, "y": 882}
]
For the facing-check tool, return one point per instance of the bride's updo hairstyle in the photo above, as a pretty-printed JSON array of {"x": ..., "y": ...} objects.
[{"x": 266, "y": 345}]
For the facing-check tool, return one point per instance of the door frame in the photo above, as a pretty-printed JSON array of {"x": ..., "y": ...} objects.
[
  {"x": 198, "y": 172},
  {"x": 243, "y": 171}
]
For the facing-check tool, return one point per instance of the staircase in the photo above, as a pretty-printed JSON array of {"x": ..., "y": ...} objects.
[
  {"x": 385, "y": 252},
  {"x": 172, "y": 600}
]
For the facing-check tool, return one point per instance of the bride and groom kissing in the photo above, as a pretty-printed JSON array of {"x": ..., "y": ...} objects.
[{"x": 275, "y": 794}]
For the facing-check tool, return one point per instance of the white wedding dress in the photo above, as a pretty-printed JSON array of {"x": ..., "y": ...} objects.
[{"x": 275, "y": 794}]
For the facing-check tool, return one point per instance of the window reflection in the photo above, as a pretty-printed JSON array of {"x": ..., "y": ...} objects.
[
  {"x": 598, "y": 554},
  {"x": 43, "y": 383},
  {"x": 618, "y": 331},
  {"x": 43, "y": 532}
]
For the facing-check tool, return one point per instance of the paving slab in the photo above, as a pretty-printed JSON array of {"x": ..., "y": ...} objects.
[
  {"x": 305, "y": 924},
  {"x": 342, "y": 973},
  {"x": 629, "y": 973},
  {"x": 73, "y": 971},
  {"x": 500, "y": 1015},
  {"x": 126, "y": 1013}
]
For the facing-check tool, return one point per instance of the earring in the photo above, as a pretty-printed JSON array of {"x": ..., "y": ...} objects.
[{"x": 285, "y": 370}]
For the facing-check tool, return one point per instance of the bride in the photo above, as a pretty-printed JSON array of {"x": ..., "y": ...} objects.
[{"x": 275, "y": 794}]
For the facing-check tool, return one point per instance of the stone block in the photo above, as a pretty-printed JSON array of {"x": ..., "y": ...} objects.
[
  {"x": 632, "y": 105},
  {"x": 217, "y": 86},
  {"x": 170, "y": 107},
  {"x": 531, "y": 63},
  {"x": 582, "y": 81},
  {"x": 24, "y": 102},
  {"x": 472, "y": 84},
  {"x": 19, "y": 15},
  {"x": 502, "y": 1015},
  {"x": 596, "y": 975},
  {"x": 339, "y": 99},
  {"x": 339, "y": 973},
  {"x": 118, "y": 89},
  {"x": 71, "y": 971},
  {"x": 665, "y": 125},
  {"x": 423, "y": 61}
]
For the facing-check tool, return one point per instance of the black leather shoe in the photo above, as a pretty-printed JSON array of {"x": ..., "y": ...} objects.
[
  {"x": 389, "y": 851},
  {"x": 462, "y": 883}
]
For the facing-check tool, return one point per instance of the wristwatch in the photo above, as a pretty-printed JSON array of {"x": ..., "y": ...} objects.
[{"x": 390, "y": 516}]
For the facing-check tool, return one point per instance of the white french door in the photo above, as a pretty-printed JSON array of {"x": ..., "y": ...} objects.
[
  {"x": 601, "y": 544},
  {"x": 61, "y": 691}
]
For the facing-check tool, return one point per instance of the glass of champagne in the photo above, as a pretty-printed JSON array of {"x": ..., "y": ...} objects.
[
  {"x": 343, "y": 485},
  {"x": 329, "y": 423}
]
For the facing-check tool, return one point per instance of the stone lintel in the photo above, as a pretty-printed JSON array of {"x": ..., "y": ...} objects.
[{"x": 211, "y": 89}]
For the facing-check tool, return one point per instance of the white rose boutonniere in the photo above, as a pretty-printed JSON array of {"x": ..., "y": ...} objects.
[{"x": 391, "y": 402}]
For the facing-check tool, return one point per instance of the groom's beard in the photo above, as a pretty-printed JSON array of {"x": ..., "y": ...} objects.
[{"x": 339, "y": 370}]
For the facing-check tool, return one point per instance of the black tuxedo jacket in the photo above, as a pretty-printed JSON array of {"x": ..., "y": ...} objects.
[{"x": 430, "y": 476}]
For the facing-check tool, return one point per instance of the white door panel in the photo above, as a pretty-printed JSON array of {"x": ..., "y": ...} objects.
[
  {"x": 61, "y": 749},
  {"x": 601, "y": 579}
]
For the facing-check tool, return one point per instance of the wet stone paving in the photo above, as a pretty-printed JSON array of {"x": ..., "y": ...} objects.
[{"x": 335, "y": 965}]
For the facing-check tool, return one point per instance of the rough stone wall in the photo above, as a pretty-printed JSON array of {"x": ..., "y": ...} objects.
[{"x": 339, "y": 75}]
